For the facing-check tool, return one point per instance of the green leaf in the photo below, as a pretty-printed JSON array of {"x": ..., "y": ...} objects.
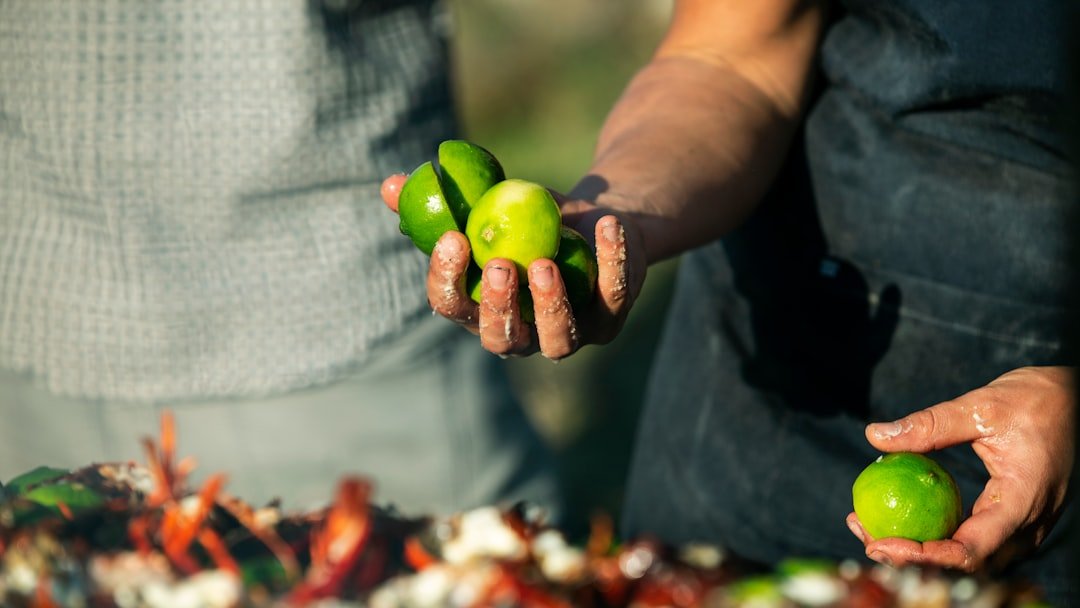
[
  {"x": 264, "y": 571},
  {"x": 26, "y": 513},
  {"x": 76, "y": 496},
  {"x": 19, "y": 484}
]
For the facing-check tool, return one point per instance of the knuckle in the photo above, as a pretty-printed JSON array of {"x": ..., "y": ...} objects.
[
  {"x": 969, "y": 563},
  {"x": 927, "y": 426},
  {"x": 557, "y": 352},
  {"x": 497, "y": 305},
  {"x": 494, "y": 344}
]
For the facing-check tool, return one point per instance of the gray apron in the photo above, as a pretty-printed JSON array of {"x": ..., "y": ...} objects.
[{"x": 913, "y": 250}]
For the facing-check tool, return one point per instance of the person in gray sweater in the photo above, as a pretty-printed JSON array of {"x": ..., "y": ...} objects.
[{"x": 190, "y": 219}]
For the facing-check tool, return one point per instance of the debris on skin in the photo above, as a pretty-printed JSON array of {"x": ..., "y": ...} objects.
[
  {"x": 503, "y": 310},
  {"x": 450, "y": 295},
  {"x": 893, "y": 430},
  {"x": 508, "y": 328},
  {"x": 618, "y": 264},
  {"x": 447, "y": 276}
]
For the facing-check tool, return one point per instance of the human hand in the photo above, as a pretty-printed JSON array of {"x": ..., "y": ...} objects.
[
  {"x": 556, "y": 332},
  {"x": 1021, "y": 426}
]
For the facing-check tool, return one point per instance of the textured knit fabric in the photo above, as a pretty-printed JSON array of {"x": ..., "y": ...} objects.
[
  {"x": 189, "y": 190},
  {"x": 190, "y": 219}
]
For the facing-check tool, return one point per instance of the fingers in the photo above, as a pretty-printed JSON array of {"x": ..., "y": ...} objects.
[
  {"x": 857, "y": 529},
  {"x": 446, "y": 280},
  {"x": 501, "y": 329},
  {"x": 961, "y": 420},
  {"x": 498, "y": 318},
  {"x": 985, "y": 533},
  {"x": 556, "y": 327},
  {"x": 901, "y": 552},
  {"x": 1004, "y": 506},
  {"x": 1018, "y": 506},
  {"x": 391, "y": 189},
  {"x": 613, "y": 278}
]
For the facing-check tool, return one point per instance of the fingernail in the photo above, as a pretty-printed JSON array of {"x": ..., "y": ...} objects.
[
  {"x": 880, "y": 558},
  {"x": 497, "y": 277},
  {"x": 449, "y": 247},
  {"x": 611, "y": 232},
  {"x": 542, "y": 277},
  {"x": 886, "y": 430}
]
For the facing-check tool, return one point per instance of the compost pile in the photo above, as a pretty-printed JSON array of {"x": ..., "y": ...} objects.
[{"x": 131, "y": 535}]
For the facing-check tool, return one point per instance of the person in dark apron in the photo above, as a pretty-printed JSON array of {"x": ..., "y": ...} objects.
[{"x": 911, "y": 251}]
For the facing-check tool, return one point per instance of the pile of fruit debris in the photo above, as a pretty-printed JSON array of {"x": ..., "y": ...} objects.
[{"x": 128, "y": 535}]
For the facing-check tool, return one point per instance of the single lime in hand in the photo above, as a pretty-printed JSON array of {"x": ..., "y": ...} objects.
[
  {"x": 438, "y": 195},
  {"x": 516, "y": 220},
  {"x": 577, "y": 266},
  {"x": 425, "y": 215},
  {"x": 906, "y": 495}
]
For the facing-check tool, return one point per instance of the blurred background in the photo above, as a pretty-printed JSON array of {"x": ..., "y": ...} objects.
[{"x": 534, "y": 80}]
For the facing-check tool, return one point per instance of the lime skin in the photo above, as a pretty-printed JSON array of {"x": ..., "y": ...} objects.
[
  {"x": 439, "y": 195},
  {"x": 516, "y": 220},
  {"x": 422, "y": 209},
  {"x": 907, "y": 495},
  {"x": 466, "y": 171},
  {"x": 577, "y": 266}
]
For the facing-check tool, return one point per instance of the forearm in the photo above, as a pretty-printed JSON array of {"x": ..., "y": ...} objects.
[{"x": 699, "y": 134}]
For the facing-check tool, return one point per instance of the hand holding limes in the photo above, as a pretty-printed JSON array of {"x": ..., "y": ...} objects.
[
  {"x": 1021, "y": 427},
  {"x": 543, "y": 285}
]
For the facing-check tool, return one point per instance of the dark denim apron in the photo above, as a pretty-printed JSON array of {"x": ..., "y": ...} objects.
[{"x": 913, "y": 250}]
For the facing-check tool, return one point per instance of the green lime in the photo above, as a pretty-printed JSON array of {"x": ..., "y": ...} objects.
[
  {"x": 438, "y": 195},
  {"x": 577, "y": 266},
  {"x": 516, "y": 220},
  {"x": 474, "y": 285},
  {"x": 424, "y": 212},
  {"x": 466, "y": 172},
  {"x": 906, "y": 495}
]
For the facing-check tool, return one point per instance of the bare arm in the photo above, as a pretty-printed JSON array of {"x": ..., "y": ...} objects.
[
  {"x": 684, "y": 155},
  {"x": 700, "y": 132}
]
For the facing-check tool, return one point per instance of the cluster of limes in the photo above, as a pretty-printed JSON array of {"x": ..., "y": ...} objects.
[
  {"x": 465, "y": 189},
  {"x": 907, "y": 495}
]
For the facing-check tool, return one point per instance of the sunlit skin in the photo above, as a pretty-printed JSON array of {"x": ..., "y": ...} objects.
[
  {"x": 1021, "y": 426},
  {"x": 663, "y": 182}
]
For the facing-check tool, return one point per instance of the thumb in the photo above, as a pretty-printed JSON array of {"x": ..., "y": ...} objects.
[
  {"x": 391, "y": 190},
  {"x": 943, "y": 425}
]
